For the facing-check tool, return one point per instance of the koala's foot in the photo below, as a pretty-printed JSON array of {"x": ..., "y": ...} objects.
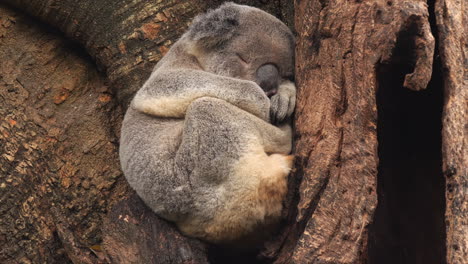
[{"x": 273, "y": 185}]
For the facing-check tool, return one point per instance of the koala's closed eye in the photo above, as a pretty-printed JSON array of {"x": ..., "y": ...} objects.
[
  {"x": 242, "y": 58},
  {"x": 268, "y": 78}
]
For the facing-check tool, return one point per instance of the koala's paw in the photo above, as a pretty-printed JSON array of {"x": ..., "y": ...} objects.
[
  {"x": 256, "y": 101},
  {"x": 283, "y": 103}
]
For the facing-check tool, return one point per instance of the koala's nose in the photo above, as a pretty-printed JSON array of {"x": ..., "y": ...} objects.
[{"x": 268, "y": 78}]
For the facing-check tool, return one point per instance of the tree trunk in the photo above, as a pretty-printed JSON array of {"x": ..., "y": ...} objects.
[{"x": 374, "y": 96}]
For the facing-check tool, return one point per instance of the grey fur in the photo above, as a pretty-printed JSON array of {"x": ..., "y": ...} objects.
[{"x": 197, "y": 144}]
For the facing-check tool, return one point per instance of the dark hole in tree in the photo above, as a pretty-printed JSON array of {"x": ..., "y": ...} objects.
[{"x": 408, "y": 226}]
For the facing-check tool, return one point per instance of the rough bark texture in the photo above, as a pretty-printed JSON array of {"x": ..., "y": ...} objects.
[
  {"x": 135, "y": 235},
  {"x": 125, "y": 38},
  {"x": 359, "y": 65},
  {"x": 59, "y": 169},
  {"x": 340, "y": 47},
  {"x": 452, "y": 19}
]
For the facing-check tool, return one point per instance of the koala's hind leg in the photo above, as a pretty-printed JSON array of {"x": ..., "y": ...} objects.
[
  {"x": 258, "y": 191},
  {"x": 229, "y": 154},
  {"x": 218, "y": 134}
]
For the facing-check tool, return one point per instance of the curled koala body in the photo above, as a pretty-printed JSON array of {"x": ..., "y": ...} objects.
[{"x": 197, "y": 142}]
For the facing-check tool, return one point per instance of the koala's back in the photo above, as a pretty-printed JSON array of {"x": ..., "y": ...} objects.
[{"x": 147, "y": 153}]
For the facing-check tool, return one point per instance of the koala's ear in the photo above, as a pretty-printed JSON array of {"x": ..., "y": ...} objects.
[{"x": 216, "y": 27}]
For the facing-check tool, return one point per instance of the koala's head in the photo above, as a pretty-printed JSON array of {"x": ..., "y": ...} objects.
[{"x": 243, "y": 42}]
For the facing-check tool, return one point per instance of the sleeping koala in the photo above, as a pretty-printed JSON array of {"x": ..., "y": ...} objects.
[{"x": 198, "y": 144}]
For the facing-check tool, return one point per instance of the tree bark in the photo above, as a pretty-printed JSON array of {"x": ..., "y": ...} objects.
[
  {"x": 343, "y": 50},
  {"x": 59, "y": 170},
  {"x": 367, "y": 126},
  {"x": 452, "y": 17}
]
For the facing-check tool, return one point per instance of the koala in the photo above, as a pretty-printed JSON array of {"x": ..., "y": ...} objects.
[{"x": 206, "y": 141}]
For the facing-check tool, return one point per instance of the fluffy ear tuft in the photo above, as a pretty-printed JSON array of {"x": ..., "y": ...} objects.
[{"x": 215, "y": 27}]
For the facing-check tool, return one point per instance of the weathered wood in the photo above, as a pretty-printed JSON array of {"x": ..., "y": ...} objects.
[
  {"x": 339, "y": 46},
  {"x": 59, "y": 169},
  {"x": 134, "y": 235},
  {"x": 452, "y": 18},
  {"x": 125, "y": 38}
]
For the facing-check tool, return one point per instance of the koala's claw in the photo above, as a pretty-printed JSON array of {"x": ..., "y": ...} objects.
[
  {"x": 279, "y": 107},
  {"x": 283, "y": 103}
]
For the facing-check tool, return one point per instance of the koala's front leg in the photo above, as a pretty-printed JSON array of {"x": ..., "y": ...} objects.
[
  {"x": 168, "y": 93},
  {"x": 283, "y": 103}
]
